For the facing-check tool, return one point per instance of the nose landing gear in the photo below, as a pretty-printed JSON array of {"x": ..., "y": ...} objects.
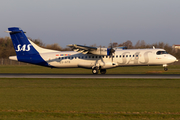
[{"x": 165, "y": 67}]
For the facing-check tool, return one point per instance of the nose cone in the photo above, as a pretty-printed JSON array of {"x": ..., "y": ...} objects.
[{"x": 172, "y": 59}]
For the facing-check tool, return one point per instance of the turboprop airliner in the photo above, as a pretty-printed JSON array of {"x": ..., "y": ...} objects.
[{"x": 95, "y": 58}]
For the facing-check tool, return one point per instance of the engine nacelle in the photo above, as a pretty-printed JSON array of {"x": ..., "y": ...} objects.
[
  {"x": 102, "y": 51},
  {"x": 99, "y": 51}
]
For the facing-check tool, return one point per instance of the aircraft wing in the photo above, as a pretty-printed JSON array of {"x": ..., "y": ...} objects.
[
  {"x": 92, "y": 50},
  {"x": 82, "y": 48}
]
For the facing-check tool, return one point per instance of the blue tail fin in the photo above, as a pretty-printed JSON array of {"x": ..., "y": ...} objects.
[
  {"x": 24, "y": 49},
  {"x": 21, "y": 43}
]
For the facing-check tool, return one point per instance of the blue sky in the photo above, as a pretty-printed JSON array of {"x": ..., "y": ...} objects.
[{"x": 93, "y": 21}]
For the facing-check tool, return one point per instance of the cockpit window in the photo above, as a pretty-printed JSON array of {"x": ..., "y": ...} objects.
[{"x": 161, "y": 52}]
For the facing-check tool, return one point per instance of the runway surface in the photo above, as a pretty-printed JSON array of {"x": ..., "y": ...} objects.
[{"x": 159, "y": 76}]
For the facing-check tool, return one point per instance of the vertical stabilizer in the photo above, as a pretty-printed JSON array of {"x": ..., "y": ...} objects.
[
  {"x": 25, "y": 51},
  {"x": 21, "y": 44}
]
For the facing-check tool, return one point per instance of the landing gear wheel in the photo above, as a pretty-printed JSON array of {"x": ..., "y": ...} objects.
[
  {"x": 165, "y": 68},
  {"x": 103, "y": 71},
  {"x": 95, "y": 70}
]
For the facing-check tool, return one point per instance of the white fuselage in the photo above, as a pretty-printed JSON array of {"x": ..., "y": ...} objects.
[{"x": 120, "y": 58}]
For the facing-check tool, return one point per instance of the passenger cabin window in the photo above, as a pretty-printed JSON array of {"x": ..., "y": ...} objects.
[{"x": 161, "y": 52}]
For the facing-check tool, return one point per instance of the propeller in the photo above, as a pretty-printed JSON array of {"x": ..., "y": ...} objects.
[{"x": 111, "y": 51}]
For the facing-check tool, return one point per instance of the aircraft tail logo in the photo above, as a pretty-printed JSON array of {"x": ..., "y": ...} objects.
[
  {"x": 21, "y": 43},
  {"x": 23, "y": 48}
]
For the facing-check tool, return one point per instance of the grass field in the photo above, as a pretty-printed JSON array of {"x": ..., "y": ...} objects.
[
  {"x": 173, "y": 69},
  {"x": 126, "y": 99}
]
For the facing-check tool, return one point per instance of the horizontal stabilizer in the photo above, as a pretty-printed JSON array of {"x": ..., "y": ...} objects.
[
  {"x": 13, "y": 32},
  {"x": 13, "y": 58}
]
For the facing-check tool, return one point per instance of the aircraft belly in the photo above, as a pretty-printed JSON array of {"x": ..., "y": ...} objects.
[
  {"x": 86, "y": 64},
  {"x": 62, "y": 64}
]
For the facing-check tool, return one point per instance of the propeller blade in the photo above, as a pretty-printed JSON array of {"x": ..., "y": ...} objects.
[
  {"x": 111, "y": 51},
  {"x": 112, "y": 58}
]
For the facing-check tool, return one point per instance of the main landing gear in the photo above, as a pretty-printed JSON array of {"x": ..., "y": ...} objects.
[
  {"x": 95, "y": 70},
  {"x": 103, "y": 71}
]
